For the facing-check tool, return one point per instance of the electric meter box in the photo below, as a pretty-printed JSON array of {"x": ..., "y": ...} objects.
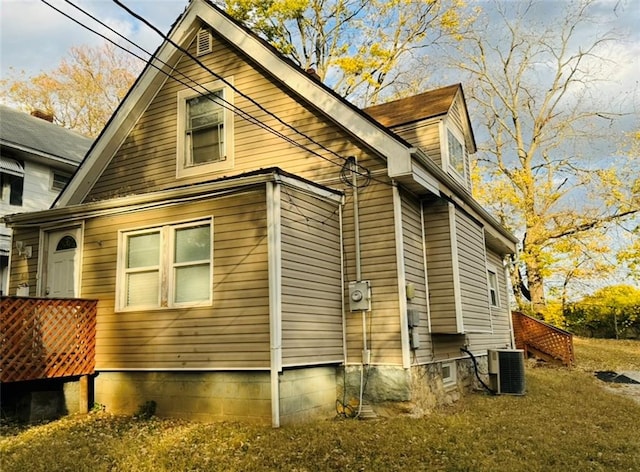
[{"x": 360, "y": 296}]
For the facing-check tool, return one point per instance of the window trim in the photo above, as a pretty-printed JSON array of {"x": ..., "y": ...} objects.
[
  {"x": 166, "y": 265},
  {"x": 12, "y": 189},
  {"x": 183, "y": 168},
  {"x": 492, "y": 269},
  {"x": 64, "y": 175},
  {"x": 450, "y": 131},
  {"x": 451, "y": 380}
]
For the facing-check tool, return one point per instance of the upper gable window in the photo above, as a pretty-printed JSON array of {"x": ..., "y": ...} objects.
[
  {"x": 456, "y": 153},
  {"x": 205, "y": 130}
]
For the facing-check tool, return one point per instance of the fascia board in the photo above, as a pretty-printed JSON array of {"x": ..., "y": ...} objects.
[
  {"x": 188, "y": 193},
  {"x": 127, "y": 115},
  {"x": 37, "y": 155},
  {"x": 397, "y": 153}
]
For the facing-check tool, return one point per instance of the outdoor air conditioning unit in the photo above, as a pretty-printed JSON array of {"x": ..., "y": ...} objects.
[{"x": 506, "y": 371}]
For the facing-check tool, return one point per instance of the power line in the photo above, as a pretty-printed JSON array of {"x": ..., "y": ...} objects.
[
  {"x": 360, "y": 170},
  {"x": 209, "y": 94},
  {"x": 165, "y": 37}
]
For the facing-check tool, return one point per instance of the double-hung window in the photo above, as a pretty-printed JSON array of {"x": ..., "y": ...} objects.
[
  {"x": 205, "y": 129},
  {"x": 492, "y": 276},
  {"x": 167, "y": 266},
  {"x": 455, "y": 153}
]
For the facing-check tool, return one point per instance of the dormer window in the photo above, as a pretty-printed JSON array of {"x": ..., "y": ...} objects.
[
  {"x": 456, "y": 153},
  {"x": 205, "y": 130}
]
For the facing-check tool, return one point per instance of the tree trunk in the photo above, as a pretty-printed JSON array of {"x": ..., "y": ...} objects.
[{"x": 535, "y": 281}]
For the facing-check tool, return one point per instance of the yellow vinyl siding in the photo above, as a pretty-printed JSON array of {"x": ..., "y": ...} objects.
[
  {"x": 439, "y": 267},
  {"x": 311, "y": 278},
  {"x": 379, "y": 266},
  {"x": 456, "y": 118},
  {"x": 24, "y": 270},
  {"x": 415, "y": 270},
  {"x": 446, "y": 225},
  {"x": 232, "y": 333},
  {"x": 472, "y": 269},
  {"x": 425, "y": 135},
  {"x": 147, "y": 159},
  {"x": 501, "y": 336}
]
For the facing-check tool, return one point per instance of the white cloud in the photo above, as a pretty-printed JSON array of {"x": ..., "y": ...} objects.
[{"x": 34, "y": 37}]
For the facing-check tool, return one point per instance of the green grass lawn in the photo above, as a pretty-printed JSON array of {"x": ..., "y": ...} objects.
[{"x": 565, "y": 422}]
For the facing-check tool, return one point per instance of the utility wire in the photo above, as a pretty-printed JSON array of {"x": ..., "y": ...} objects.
[
  {"x": 218, "y": 100},
  {"x": 366, "y": 173},
  {"x": 360, "y": 170},
  {"x": 166, "y": 37}
]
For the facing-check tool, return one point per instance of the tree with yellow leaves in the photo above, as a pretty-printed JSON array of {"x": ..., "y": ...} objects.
[
  {"x": 536, "y": 85},
  {"x": 82, "y": 92},
  {"x": 363, "y": 49}
]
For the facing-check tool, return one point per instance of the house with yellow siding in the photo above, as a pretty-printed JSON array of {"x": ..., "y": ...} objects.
[{"x": 263, "y": 250}]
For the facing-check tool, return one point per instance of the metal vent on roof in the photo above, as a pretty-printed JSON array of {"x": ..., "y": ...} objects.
[{"x": 204, "y": 42}]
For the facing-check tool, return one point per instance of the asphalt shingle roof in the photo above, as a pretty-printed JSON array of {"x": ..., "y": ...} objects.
[{"x": 28, "y": 133}]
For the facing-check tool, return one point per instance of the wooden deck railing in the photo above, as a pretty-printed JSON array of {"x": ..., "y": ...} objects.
[
  {"x": 42, "y": 338},
  {"x": 542, "y": 340}
]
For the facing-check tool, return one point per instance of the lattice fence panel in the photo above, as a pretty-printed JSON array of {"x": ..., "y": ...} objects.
[
  {"x": 547, "y": 338},
  {"x": 45, "y": 338}
]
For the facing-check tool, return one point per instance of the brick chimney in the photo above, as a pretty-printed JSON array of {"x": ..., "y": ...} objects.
[{"x": 43, "y": 115}]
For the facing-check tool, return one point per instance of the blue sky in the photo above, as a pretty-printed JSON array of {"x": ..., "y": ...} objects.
[{"x": 34, "y": 38}]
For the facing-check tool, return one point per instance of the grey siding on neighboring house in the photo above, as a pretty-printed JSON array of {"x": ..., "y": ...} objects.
[
  {"x": 439, "y": 267},
  {"x": 311, "y": 280},
  {"x": 472, "y": 269}
]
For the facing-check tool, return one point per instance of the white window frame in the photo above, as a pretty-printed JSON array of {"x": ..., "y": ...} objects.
[
  {"x": 450, "y": 380},
  {"x": 55, "y": 173},
  {"x": 450, "y": 132},
  {"x": 184, "y": 167},
  {"x": 492, "y": 269},
  {"x": 166, "y": 266},
  {"x": 447, "y": 127}
]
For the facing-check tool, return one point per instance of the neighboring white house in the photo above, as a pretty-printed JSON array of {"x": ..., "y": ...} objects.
[{"x": 37, "y": 159}]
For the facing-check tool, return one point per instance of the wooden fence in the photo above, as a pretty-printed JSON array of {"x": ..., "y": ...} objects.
[
  {"x": 542, "y": 340},
  {"x": 42, "y": 338}
]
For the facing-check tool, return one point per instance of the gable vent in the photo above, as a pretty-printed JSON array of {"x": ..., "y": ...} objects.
[{"x": 204, "y": 42}]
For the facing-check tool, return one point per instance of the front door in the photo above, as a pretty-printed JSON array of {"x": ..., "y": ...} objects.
[{"x": 62, "y": 263}]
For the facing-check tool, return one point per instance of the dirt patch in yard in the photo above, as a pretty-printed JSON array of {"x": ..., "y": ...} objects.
[{"x": 621, "y": 383}]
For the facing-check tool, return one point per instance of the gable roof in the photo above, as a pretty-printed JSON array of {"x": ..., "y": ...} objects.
[
  {"x": 416, "y": 108},
  {"x": 424, "y": 106},
  {"x": 397, "y": 152},
  {"x": 28, "y": 135},
  {"x": 381, "y": 140}
]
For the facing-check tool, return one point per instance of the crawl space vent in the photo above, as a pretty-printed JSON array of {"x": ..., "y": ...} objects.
[{"x": 204, "y": 42}]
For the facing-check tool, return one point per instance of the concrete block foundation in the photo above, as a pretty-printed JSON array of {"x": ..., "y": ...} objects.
[{"x": 391, "y": 390}]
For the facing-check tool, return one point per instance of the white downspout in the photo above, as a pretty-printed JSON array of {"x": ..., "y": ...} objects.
[{"x": 275, "y": 296}]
